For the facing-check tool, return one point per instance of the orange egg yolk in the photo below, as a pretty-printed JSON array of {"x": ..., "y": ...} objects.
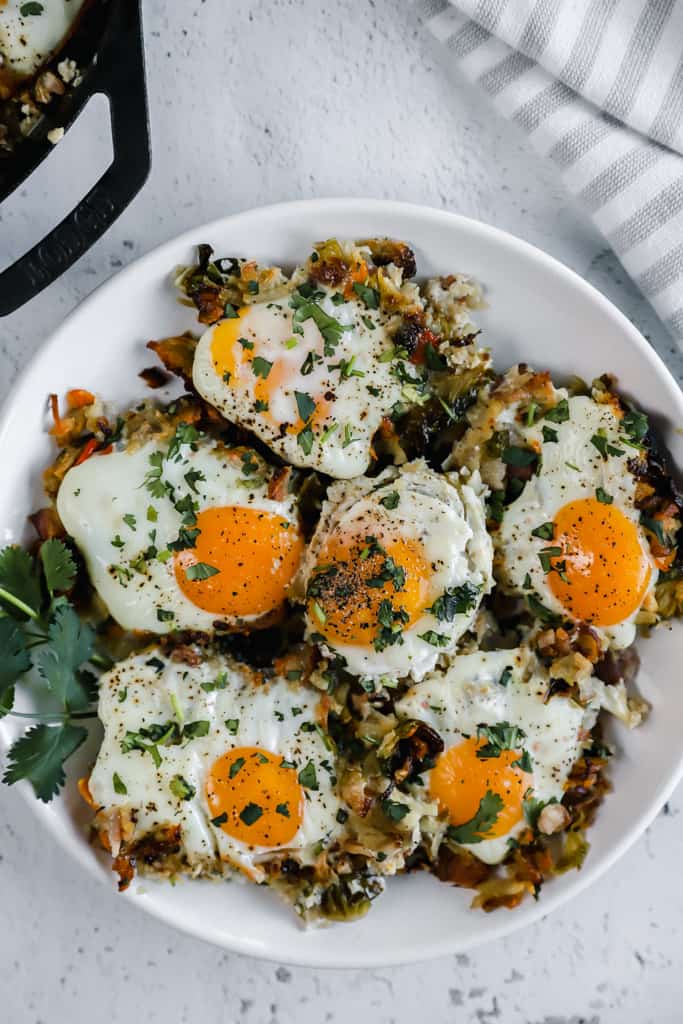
[
  {"x": 254, "y": 797},
  {"x": 256, "y": 554},
  {"x": 350, "y": 585},
  {"x": 233, "y": 361},
  {"x": 606, "y": 572},
  {"x": 460, "y": 780}
]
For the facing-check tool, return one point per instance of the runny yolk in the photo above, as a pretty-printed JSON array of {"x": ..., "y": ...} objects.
[
  {"x": 255, "y": 552},
  {"x": 357, "y": 573},
  {"x": 255, "y": 798},
  {"x": 606, "y": 571},
  {"x": 233, "y": 361},
  {"x": 460, "y": 780}
]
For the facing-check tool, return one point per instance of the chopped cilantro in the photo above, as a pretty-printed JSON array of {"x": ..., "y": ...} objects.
[
  {"x": 307, "y": 776},
  {"x": 435, "y": 639},
  {"x": 391, "y": 500},
  {"x": 200, "y": 571},
  {"x": 251, "y": 813},
  {"x": 305, "y": 405},
  {"x": 506, "y": 675},
  {"x": 546, "y": 531},
  {"x": 559, "y": 413},
  {"x": 370, "y": 296},
  {"x": 478, "y": 827},
  {"x": 119, "y": 785},
  {"x": 261, "y": 367},
  {"x": 181, "y": 788},
  {"x": 305, "y": 439},
  {"x": 455, "y": 601},
  {"x": 395, "y": 810},
  {"x": 513, "y": 455}
]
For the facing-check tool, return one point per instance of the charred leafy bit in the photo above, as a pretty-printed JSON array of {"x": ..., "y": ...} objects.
[
  {"x": 154, "y": 377},
  {"x": 618, "y": 666},
  {"x": 349, "y": 898},
  {"x": 460, "y": 867},
  {"x": 408, "y": 750},
  {"x": 388, "y": 250},
  {"x": 177, "y": 354}
]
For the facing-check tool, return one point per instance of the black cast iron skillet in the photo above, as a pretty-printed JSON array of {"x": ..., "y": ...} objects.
[{"x": 108, "y": 49}]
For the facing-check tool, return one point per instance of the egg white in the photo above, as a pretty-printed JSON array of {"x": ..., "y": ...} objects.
[
  {"x": 95, "y": 496},
  {"x": 446, "y": 517},
  {"x": 571, "y": 468},
  {"x": 150, "y": 688},
  {"x": 469, "y": 694}
]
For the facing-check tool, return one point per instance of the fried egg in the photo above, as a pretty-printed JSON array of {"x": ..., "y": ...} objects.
[
  {"x": 503, "y": 743},
  {"x": 574, "y": 539},
  {"x": 311, "y": 374},
  {"x": 396, "y": 570},
  {"x": 183, "y": 536},
  {"x": 239, "y": 763},
  {"x": 31, "y": 32}
]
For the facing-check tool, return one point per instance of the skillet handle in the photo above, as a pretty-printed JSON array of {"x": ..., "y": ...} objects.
[{"x": 120, "y": 75}]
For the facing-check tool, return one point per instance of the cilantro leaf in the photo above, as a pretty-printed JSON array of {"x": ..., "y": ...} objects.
[
  {"x": 635, "y": 425},
  {"x": 395, "y": 810},
  {"x": 306, "y": 309},
  {"x": 478, "y": 827},
  {"x": 18, "y": 580},
  {"x": 532, "y": 808},
  {"x": 251, "y": 813},
  {"x": 455, "y": 601},
  {"x": 200, "y": 571},
  {"x": 39, "y": 756},
  {"x": 370, "y": 296},
  {"x": 434, "y": 638},
  {"x": 391, "y": 500},
  {"x": 307, "y": 776},
  {"x": 559, "y": 413},
  {"x": 501, "y": 736},
  {"x": 58, "y": 566},
  {"x": 304, "y": 404},
  {"x": 14, "y": 662},
  {"x": 261, "y": 367},
  {"x": 305, "y": 439},
  {"x": 181, "y": 788},
  {"x": 185, "y": 433},
  {"x": 516, "y": 456},
  {"x": 70, "y": 644}
]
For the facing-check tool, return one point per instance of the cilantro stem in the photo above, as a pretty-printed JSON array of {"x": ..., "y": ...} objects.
[
  {"x": 55, "y": 717},
  {"x": 18, "y": 603},
  {"x": 100, "y": 659}
]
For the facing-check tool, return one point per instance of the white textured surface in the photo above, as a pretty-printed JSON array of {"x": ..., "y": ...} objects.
[{"x": 285, "y": 100}]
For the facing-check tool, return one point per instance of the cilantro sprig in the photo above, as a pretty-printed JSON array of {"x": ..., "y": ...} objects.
[{"x": 41, "y": 631}]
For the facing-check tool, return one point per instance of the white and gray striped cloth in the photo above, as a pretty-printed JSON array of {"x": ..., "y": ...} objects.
[{"x": 598, "y": 87}]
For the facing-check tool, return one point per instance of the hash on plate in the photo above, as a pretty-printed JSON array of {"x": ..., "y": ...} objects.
[{"x": 365, "y": 604}]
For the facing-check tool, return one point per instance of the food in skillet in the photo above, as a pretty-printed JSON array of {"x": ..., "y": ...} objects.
[
  {"x": 363, "y": 603},
  {"x": 30, "y": 33}
]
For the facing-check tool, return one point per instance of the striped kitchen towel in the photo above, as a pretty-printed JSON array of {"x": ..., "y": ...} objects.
[{"x": 598, "y": 87}]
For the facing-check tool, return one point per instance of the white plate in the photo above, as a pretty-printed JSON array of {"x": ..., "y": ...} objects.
[{"x": 539, "y": 312}]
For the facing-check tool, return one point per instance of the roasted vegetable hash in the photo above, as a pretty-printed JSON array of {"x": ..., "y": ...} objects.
[{"x": 355, "y": 604}]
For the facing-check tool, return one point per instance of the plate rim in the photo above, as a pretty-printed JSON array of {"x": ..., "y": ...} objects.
[{"x": 588, "y": 875}]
